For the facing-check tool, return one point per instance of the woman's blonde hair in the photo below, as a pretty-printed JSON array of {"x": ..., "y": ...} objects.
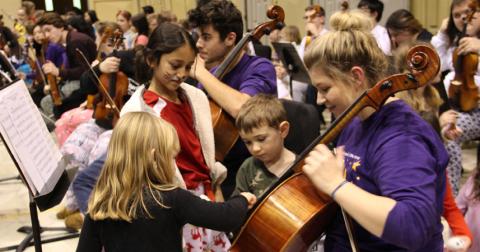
[
  {"x": 421, "y": 100},
  {"x": 349, "y": 44},
  {"x": 140, "y": 161}
]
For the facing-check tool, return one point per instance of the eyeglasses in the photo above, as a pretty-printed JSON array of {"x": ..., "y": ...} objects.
[{"x": 458, "y": 15}]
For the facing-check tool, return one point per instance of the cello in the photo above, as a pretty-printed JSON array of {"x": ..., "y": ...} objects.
[
  {"x": 291, "y": 214},
  {"x": 463, "y": 92},
  {"x": 224, "y": 130}
]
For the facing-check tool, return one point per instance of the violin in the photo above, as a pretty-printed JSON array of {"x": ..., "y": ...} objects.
[
  {"x": 292, "y": 207},
  {"x": 35, "y": 65},
  {"x": 50, "y": 78},
  {"x": 224, "y": 131},
  {"x": 115, "y": 88},
  {"x": 463, "y": 92},
  {"x": 106, "y": 36}
]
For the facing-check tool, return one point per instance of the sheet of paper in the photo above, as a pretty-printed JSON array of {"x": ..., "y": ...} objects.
[{"x": 26, "y": 132}]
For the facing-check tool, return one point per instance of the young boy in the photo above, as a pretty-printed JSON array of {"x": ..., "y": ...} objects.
[{"x": 263, "y": 126}]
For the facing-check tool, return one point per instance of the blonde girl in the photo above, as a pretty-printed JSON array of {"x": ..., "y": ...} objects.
[{"x": 137, "y": 205}]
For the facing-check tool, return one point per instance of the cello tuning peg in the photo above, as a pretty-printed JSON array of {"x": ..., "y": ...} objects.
[
  {"x": 267, "y": 30},
  {"x": 279, "y": 25}
]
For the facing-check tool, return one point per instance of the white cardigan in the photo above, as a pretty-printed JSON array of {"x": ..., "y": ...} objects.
[{"x": 202, "y": 123}]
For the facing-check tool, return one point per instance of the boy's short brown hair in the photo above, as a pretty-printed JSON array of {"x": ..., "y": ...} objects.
[
  {"x": 261, "y": 110},
  {"x": 52, "y": 18}
]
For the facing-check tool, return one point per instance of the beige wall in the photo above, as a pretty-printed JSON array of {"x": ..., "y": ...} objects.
[
  {"x": 9, "y": 7},
  {"x": 430, "y": 12}
]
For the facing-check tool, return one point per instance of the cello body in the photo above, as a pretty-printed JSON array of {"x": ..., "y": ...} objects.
[{"x": 291, "y": 218}]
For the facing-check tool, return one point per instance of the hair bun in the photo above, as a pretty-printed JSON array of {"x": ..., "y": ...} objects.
[{"x": 351, "y": 20}]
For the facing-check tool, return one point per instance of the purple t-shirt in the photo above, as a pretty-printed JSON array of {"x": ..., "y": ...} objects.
[
  {"x": 56, "y": 54},
  {"x": 396, "y": 154},
  {"x": 252, "y": 75}
]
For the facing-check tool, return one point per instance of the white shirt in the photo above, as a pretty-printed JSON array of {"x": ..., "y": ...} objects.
[{"x": 380, "y": 33}]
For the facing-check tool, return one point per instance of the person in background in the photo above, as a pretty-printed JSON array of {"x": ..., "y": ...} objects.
[
  {"x": 374, "y": 8},
  {"x": 148, "y": 9},
  {"x": 403, "y": 27},
  {"x": 445, "y": 43},
  {"x": 55, "y": 30},
  {"x": 141, "y": 27},
  {"x": 124, "y": 21},
  {"x": 314, "y": 26}
]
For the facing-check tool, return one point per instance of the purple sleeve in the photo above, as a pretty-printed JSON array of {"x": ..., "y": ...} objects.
[
  {"x": 56, "y": 54},
  {"x": 261, "y": 78},
  {"x": 406, "y": 170}
]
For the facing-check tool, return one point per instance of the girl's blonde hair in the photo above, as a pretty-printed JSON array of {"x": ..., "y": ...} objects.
[
  {"x": 140, "y": 161},
  {"x": 349, "y": 43}
]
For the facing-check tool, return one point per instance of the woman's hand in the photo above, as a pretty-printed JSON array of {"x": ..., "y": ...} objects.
[
  {"x": 110, "y": 65},
  {"x": 251, "y": 199},
  {"x": 325, "y": 169},
  {"x": 448, "y": 120},
  {"x": 469, "y": 45}
]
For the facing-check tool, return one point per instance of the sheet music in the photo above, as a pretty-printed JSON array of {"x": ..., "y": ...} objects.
[{"x": 27, "y": 137}]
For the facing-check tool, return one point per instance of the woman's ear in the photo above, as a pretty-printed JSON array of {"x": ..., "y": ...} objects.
[
  {"x": 284, "y": 129},
  {"x": 359, "y": 77}
]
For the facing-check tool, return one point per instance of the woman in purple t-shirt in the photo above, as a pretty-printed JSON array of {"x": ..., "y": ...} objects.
[{"x": 389, "y": 174}]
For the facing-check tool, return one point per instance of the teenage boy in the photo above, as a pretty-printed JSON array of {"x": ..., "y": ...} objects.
[
  {"x": 220, "y": 28},
  {"x": 55, "y": 30}
]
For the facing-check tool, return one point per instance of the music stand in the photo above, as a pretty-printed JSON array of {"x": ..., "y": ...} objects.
[
  {"x": 52, "y": 191},
  {"x": 293, "y": 64}
]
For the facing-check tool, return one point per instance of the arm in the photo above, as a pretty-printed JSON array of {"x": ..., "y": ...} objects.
[
  {"x": 228, "y": 98},
  {"x": 354, "y": 200},
  {"x": 407, "y": 188},
  {"x": 89, "y": 237},
  {"x": 223, "y": 216},
  {"x": 441, "y": 43},
  {"x": 77, "y": 64},
  {"x": 85, "y": 181},
  {"x": 453, "y": 215}
]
